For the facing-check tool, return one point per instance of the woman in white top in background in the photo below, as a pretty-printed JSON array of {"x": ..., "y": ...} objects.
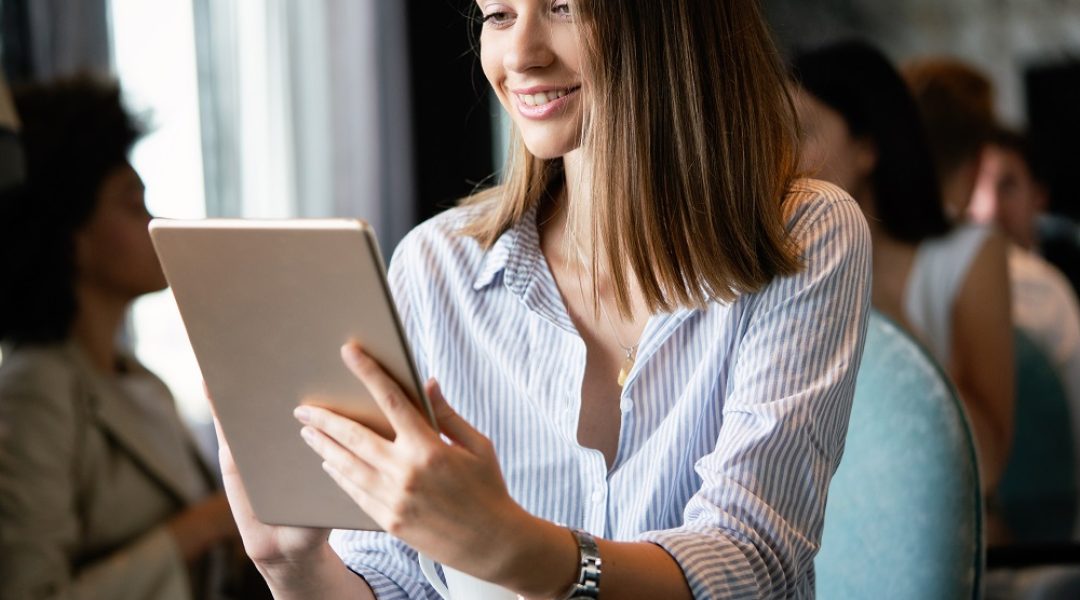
[
  {"x": 649, "y": 333},
  {"x": 948, "y": 286}
]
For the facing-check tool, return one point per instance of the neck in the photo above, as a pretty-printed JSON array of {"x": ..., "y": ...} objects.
[
  {"x": 97, "y": 323},
  {"x": 573, "y": 214},
  {"x": 866, "y": 199},
  {"x": 567, "y": 222},
  {"x": 956, "y": 190}
]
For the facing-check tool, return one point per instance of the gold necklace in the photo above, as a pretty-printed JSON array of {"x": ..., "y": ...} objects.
[{"x": 631, "y": 351}]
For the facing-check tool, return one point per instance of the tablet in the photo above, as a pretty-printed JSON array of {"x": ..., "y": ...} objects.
[{"x": 267, "y": 306}]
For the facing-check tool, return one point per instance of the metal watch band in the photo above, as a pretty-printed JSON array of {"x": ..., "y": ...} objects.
[{"x": 587, "y": 586}]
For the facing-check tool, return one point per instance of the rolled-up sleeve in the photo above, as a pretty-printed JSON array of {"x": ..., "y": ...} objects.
[
  {"x": 754, "y": 526},
  {"x": 388, "y": 565}
]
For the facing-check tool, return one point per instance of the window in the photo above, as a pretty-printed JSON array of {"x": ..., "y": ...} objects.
[
  {"x": 262, "y": 109},
  {"x": 154, "y": 55}
]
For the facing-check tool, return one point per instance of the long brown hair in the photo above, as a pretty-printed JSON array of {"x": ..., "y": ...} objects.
[{"x": 691, "y": 143}]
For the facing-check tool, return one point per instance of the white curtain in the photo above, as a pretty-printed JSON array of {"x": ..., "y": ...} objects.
[
  {"x": 68, "y": 37},
  {"x": 305, "y": 110}
]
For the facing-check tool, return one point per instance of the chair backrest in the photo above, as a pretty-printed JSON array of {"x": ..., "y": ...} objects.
[
  {"x": 904, "y": 513},
  {"x": 1037, "y": 493}
]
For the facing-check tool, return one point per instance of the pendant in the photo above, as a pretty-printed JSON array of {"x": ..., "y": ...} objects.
[{"x": 628, "y": 363}]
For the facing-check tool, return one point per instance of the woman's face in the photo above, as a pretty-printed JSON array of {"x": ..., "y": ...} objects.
[
  {"x": 827, "y": 149},
  {"x": 1006, "y": 193},
  {"x": 113, "y": 249},
  {"x": 530, "y": 53}
]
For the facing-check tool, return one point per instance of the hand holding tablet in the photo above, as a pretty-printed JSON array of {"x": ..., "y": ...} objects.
[{"x": 267, "y": 306}]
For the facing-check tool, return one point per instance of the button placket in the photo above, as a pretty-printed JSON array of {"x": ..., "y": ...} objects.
[{"x": 598, "y": 509}]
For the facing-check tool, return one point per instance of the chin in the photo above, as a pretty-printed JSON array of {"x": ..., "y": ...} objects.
[
  {"x": 149, "y": 283},
  {"x": 548, "y": 149}
]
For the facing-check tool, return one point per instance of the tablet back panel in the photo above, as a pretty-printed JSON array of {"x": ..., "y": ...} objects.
[{"x": 267, "y": 306}]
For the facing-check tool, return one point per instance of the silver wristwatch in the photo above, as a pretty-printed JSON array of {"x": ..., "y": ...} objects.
[{"x": 587, "y": 586}]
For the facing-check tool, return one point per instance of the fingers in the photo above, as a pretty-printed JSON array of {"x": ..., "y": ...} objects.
[
  {"x": 369, "y": 503},
  {"x": 394, "y": 402},
  {"x": 450, "y": 423},
  {"x": 339, "y": 459},
  {"x": 351, "y": 472},
  {"x": 330, "y": 434},
  {"x": 236, "y": 496}
]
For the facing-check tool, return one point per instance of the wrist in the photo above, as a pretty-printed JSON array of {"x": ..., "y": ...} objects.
[
  {"x": 320, "y": 574},
  {"x": 540, "y": 559},
  {"x": 298, "y": 571}
]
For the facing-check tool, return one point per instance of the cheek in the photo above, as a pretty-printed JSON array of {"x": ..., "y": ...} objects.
[
  {"x": 126, "y": 236},
  {"x": 1014, "y": 207},
  {"x": 810, "y": 156},
  {"x": 567, "y": 46},
  {"x": 119, "y": 247},
  {"x": 983, "y": 206},
  {"x": 822, "y": 157},
  {"x": 491, "y": 65}
]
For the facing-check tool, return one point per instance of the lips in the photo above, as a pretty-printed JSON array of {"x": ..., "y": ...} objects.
[
  {"x": 539, "y": 103},
  {"x": 543, "y": 97}
]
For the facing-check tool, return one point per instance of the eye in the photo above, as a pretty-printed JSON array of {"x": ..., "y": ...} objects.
[
  {"x": 498, "y": 19},
  {"x": 561, "y": 8}
]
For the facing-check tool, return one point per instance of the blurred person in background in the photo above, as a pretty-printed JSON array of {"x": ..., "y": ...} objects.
[
  {"x": 957, "y": 108},
  {"x": 12, "y": 167},
  {"x": 102, "y": 491},
  {"x": 1008, "y": 194},
  {"x": 947, "y": 285}
]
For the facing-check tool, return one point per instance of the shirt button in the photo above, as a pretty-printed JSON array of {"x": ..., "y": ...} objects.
[
  {"x": 598, "y": 496},
  {"x": 626, "y": 405}
]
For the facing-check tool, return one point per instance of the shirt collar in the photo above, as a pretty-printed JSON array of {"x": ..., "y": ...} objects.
[{"x": 513, "y": 255}]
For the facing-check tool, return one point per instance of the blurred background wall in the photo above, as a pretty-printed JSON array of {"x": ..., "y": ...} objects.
[{"x": 1001, "y": 37}]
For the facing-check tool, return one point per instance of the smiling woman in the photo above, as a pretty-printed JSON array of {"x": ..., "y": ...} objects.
[{"x": 645, "y": 339}]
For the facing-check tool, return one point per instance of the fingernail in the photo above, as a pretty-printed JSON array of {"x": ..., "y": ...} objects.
[
  {"x": 302, "y": 414},
  {"x": 351, "y": 352},
  {"x": 309, "y": 435}
]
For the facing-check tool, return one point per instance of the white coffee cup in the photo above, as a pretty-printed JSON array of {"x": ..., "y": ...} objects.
[{"x": 460, "y": 586}]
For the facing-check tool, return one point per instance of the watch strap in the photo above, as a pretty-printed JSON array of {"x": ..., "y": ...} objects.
[{"x": 587, "y": 586}]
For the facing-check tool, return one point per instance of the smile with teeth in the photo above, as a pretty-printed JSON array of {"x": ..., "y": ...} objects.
[{"x": 542, "y": 98}]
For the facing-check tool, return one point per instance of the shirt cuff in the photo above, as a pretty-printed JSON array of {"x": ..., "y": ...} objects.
[
  {"x": 714, "y": 565},
  {"x": 385, "y": 588}
]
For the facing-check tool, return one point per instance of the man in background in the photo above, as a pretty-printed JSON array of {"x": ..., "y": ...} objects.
[{"x": 1009, "y": 195}]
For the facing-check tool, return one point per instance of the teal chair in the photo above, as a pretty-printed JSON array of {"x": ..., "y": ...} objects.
[
  {"x": 1037, "y": 493},
  {"x": 904, "y": 513}
]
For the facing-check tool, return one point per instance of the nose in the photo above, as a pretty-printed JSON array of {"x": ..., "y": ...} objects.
[{"x": 530, "y": 44}]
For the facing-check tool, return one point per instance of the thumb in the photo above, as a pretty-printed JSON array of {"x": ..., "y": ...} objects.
[{"x": 450, "y": 423}]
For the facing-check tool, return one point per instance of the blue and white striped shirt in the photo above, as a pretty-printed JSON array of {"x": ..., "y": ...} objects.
[{"x": 733, "y": 417}]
